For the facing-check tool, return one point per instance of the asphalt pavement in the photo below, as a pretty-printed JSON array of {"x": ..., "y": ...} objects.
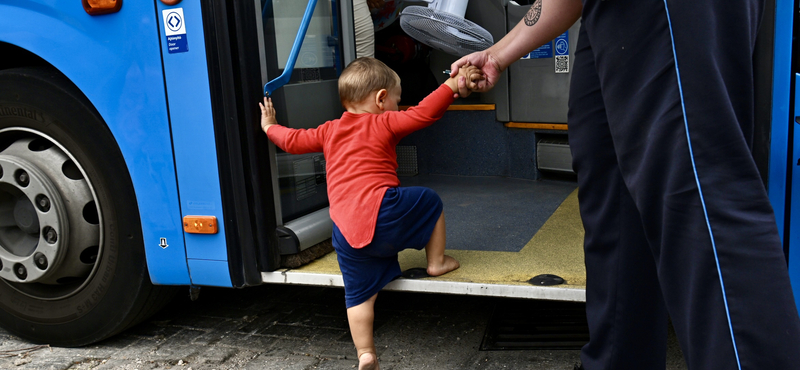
[{"x": 301, "y": 328}]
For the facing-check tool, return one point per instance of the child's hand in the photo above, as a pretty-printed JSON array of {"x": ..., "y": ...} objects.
[
  {"x": 471, "y": 75},
  {"x": 267, "y": 114}
]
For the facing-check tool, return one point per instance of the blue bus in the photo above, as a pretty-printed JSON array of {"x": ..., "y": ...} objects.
[{"x": 132, "y": 165}]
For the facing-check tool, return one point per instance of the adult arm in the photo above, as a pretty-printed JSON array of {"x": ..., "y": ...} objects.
[{"x": 544, "y": 21}]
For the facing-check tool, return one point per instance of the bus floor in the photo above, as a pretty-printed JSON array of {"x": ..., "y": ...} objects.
[{"x": 503, "y": 231}]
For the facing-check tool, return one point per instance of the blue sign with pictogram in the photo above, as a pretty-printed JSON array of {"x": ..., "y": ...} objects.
[
  {"x": 562, "y": 44},
  {"x": 175, "y": 30}
]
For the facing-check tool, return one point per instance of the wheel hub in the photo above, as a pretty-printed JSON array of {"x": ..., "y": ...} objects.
[
  {"x": 30, "y": 246},
  {"x": 50, "y": 222},
  {"x": 25, "y": 216}
]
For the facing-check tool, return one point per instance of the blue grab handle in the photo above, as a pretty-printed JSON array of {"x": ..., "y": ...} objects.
[{"x": 281, "y": 80}]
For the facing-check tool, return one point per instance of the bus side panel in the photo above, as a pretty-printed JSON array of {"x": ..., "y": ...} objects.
[
  {"x": 186, "y": 74},
  {"x": 115, "y": 61},
  {"x": 794, "y": 238}
]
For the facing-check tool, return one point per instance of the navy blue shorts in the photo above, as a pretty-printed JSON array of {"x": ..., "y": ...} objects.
[{"x": 406, "y": 220}]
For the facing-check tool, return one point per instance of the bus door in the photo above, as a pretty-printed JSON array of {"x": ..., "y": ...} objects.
[
  {"x": 307, "y": 97},
  {"x": 274, "y": 203},
  {"x": 776, "y": 136}
]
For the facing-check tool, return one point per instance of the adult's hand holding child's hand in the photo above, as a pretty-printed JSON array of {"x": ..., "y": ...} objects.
[
  {"x": 468, "y": 78},
  {"x": 488, "y": 66},
  {"x": 473, "y": 76}
]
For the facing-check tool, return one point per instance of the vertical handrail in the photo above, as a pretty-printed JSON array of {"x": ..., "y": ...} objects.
[{"x": 281, "y": 80}]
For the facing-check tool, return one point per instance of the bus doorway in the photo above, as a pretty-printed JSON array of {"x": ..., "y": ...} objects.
[{"x": 510, "y": 208}]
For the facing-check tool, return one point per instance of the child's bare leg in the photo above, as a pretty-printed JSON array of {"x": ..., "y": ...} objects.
[
  {"x": 438, "y": 262},
  {"x": 361, "y": 318}
]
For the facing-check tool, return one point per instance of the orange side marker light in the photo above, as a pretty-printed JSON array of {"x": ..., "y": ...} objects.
[
  {"x": 98, "y": 7},
  {"x": 200, "y": 224}
]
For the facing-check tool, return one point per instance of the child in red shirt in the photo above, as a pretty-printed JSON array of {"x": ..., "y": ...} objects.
[{"x": 373, "y": 217}]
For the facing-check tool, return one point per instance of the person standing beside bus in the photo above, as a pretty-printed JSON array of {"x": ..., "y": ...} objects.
[
  {"x": 374, "y": 218},
  {"x": 677, "y": 220}
]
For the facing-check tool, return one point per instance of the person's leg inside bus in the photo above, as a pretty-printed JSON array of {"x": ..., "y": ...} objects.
[
  {"x": 438, "y": 262},
  {"x": 361, "y": 318}
]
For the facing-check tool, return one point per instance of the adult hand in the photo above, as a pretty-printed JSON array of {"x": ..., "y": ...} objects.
[{"x": 486, "y": 62}]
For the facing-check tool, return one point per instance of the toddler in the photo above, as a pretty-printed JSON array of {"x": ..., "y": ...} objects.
[{"x": 373, "y": 217}]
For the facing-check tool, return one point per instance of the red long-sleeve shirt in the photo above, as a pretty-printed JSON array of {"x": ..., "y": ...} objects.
[{"x": 360, "y": 157}]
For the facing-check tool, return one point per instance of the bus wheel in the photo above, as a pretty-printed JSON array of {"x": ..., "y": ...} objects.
[{"x": 72, "y": 264}]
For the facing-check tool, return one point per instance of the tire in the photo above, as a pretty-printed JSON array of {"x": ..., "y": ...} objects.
[{"x": 73, "y": 265}]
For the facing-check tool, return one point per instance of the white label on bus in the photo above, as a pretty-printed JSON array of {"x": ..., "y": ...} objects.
[{"x": 175, "y": 29}]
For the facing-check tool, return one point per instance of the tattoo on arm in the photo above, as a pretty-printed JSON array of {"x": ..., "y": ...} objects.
[{"x": 533, "y": 14}]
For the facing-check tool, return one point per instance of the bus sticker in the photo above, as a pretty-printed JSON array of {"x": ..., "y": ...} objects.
[{"x": 175, "y": 29}]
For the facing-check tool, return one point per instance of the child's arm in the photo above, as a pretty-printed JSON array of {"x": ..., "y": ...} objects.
[
  {"x": 432, "y": 108},
  {"x": 295, "y": 141}
]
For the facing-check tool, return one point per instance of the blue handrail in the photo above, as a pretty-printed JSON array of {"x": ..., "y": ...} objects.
[{"x": 281, "y": 80}]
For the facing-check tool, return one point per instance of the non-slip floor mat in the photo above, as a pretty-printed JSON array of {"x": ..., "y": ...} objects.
[{"x": 493, "y": 213}]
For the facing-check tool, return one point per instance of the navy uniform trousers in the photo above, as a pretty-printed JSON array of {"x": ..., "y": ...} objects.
[{"x": 677, "y": 220}]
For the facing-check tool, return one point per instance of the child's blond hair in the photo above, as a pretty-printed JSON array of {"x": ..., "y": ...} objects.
[{"x": 364, "y": 76}]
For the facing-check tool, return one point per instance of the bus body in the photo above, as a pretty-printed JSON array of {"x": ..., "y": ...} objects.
[{"x": 132, "y": 162}]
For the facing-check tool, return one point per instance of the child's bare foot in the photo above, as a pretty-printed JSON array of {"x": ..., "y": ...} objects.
[
  {"x": 447, "y": 264},
  {"x": 368, "y": 361}
]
